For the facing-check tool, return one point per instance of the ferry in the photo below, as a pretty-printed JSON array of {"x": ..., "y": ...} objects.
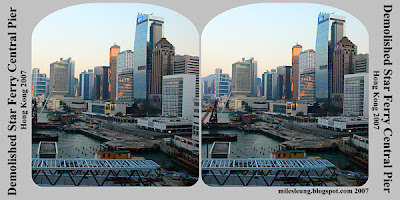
[
  {"x": 120, "y": 154},
  {"x": 54, "y": 116},
  {"x": 234, "y": 116},
  {"x": 68, "y": 118},
  {"x": 249, "y": 118}
]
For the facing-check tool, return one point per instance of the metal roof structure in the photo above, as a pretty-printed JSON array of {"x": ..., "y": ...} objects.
[
  {"x": 264, "y": 164},
  {"x": 93, "y": 164},
  {"x": 266, "y": 172}
]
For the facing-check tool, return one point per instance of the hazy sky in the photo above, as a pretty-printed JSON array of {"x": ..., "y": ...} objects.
[
  {"x": 86, "y": 32},
  {"x": 267, "y": 32}
]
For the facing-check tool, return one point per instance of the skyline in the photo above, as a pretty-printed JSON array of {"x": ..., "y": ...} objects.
[
  {"x": 86, "y": 32},
  {"x": 262, "y": 36}
]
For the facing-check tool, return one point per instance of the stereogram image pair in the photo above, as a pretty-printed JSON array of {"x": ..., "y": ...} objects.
[{"x": 281, "y": 98}]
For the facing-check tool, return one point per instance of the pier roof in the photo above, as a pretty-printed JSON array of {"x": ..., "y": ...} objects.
[
  {"x": 265, "y": 164},
  {"x": 92, "y": 164}
]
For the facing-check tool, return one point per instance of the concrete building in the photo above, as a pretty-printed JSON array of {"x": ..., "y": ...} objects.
[
  {"x": 149, "y": 30},
  {"x": 270, "y": 84},
  {"x": 343, "y": 63},
  {"x": 344, "y": 124},
  {"x": 163, "y": 65},
  {"x": 124, "y": 60},
  {"x": 59, "y": 78},
  {"x": 307, "y": 85},
  {"x": 253, "y": 77},
  {"x": 306, "y": 59},
  {"x": 296, "y": 50},
  {"x": 40, "y": 85},
  {"x": 289, "y": 108},
  {"x": 178, "y": 95},
  {"x": 107, "y": 108},
  {"x": 241, "y": 83},
  {"x": 71, "y": 76},
  {"x": 355, "y": 96},
  {"x": 362, "y": 63},
  {"x": 166, "y": 125},
  {"x": 331, "y": 28},
  {"x": 221, "y": 83},
  {"x": 187, "y": 64},
  {"x": 84, "y": 89},
  {"x": 114, "y": 50},
  {"x": 125, "y": 86}
]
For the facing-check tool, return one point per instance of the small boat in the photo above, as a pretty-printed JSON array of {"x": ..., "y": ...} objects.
[
  {"x": 234, "y": 116},
  {"x": 54, "y": 116}
]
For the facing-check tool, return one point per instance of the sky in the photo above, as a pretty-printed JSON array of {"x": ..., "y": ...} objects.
[
  {"x": 267, "y": 32},
  {"x": 86, "y": 32}
]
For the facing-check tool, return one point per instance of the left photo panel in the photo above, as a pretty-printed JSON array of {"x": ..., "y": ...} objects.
[{"x": 115, "y": 97}]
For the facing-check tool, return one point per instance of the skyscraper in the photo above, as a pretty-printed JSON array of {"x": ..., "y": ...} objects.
[
  {"x": 125, "y": 60},
  {"x": 287, "y": 84},
  {"x": 241, "y": 83},
  {"x": 221, "y": 83},
  {"x": 84, "y": 85},
  {"x": 149, "y": 30},
  {"x": 71, "y": 76},
  {"x": 362, "y": 63},
  {"x": 40, "y": 86},
  {"x": 331, "y": 28},
  {"x": 125, "y": 86},
  {"x": 253, "y": 77},
  {"x": 306, "y": 59},
  {"x": 188, "y": 64},
  {"x": 59, "y": 78},
  {"x": 114, "y": 50},
  {"x": 344, "y": 63},
  {"x": 97, "y": 82},
  {"x": 105, "y": 86},
  {"x": 280, "y": 84},
  {"x": 307, "y": 76},
  {"x": 296, "y": 50},
  {"x": 163, "y": 64},
  {"x": 355, "y": 97},
  {"x": 270, "y": 84}
]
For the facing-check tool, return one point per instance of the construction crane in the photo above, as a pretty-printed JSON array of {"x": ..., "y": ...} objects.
[
  {"x": 209, "y": 110},
  {"x": 227, "y": 99}
]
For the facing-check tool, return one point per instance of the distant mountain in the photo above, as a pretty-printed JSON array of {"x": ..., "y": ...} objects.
[{"x": 208, "y": 78}]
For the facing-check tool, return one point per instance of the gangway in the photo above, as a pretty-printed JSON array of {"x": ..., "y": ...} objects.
[
  {"x": 227, "y": 100},
  {"x": 265, "y": 172},
  {"x": 92, "y": 172}
]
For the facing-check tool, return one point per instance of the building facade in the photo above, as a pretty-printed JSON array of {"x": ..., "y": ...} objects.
[
  {"x": 270, "y": 84},
  {"x": 296, "y": 50},
  {"x": 114, "y": 50},
  {"x": 59, "y": 78},
  {"x": 331, "y": 28},
  {"x": 362, "y": 63},
  {"x": 307, "y": 85},
  {"x": 178, "y": 93},
  {"x": 306, "y": 59},
  {"x": 188, "y": 64},
  {"x": 355, "y": 96},
  {"x": 149, "y": 30},
  {"x": 105, "y": 86},
  {"x": 71, "y": 76},
  {"x": 221, "y": 83},
  {"x": 163, "y": 64},
  {"x": 125, "y": 86},
  {"x": 124, "y": 60},
  {"x": 241, "y": 83},
  {"x": 343, "y": 63},
  {"x": 40, "y": 85},
  {"x": 253, "y": 77}
]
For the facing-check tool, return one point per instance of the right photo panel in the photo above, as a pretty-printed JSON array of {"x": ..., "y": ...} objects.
[{"x": 284, "y": 97}]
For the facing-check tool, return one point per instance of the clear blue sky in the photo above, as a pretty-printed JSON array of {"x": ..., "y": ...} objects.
[
  {"x": 86, "y": 32},
  {"x": 267, "y": 32}
]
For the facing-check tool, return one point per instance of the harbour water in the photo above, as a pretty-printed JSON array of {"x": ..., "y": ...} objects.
[
  {"x": 75, "y": 145},
  {"x": 258, "y": 145}
]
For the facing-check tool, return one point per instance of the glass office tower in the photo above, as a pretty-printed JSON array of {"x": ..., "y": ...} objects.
[
  {"x": 331, "y": 28},
  {"x": 149, "y": 30}
]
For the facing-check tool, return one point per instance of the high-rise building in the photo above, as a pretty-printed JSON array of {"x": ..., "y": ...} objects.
[
  {"x": 71, "y": 76},
  {"x": 221, "y": 83},
  {"x": 331, "y": 28},
  {"x": 105, "y": 86},
  {"x": 241, "y": 83},
  {"x": 362, "y": 63},
  {"x": 178, "y": 95},
  {"x": 343, "y": 63},
  {"x": 40, "y": 86},
  {"x": 279, "y": 84},
  {"x": 84, "y": 84},
  {"x": 187, "y": 64},
  {"x": 253, "y": 77},
  {"x": 355, "y": 97},
  {"x": 306, "y": 59},
  {"x": 287, "y": 84},
  {"x": 114, "y": 50},
  {"x": 125, "y": 60},
  {"x": 91, "y": 83},
  {"x": 149, "y": 30},
  {"x": 125, "y": 86},
  {"x": 296, "y": 50},
  {"x": 162, "y": 65},
  {"x": 270, "y": 84},
  {"x": 59, "y": 78},
  {"x": 97, "y": 82},
  {"x": 307, "y": 85},
  {"x": 196, "y": 119}
]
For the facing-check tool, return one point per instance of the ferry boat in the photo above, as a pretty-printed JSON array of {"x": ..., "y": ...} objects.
[
  {"x": 249, "y": 118},
  {"x": 119, "y": 154},
  {"x": 234, "y": 116},
  {"x": 54, "y": 116},
  {"x": 292, "y": 154},
  {"x": 68, "y": 118}
]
